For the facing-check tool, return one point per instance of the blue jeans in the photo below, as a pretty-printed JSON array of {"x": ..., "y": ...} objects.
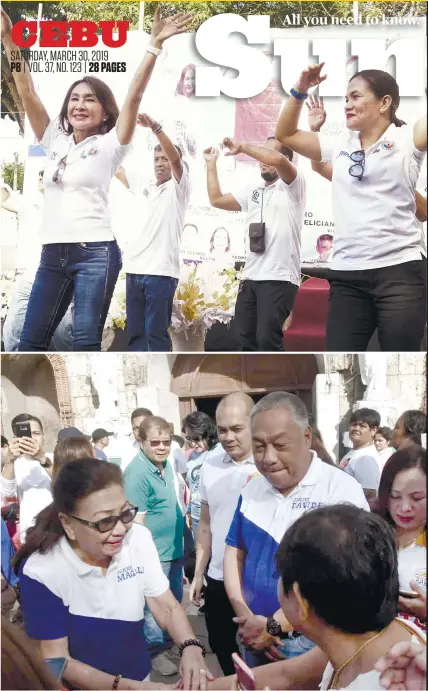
[
  {"x": 88, "y": 271},
  {"x": 158, "y": 640},
  {"x": 148, "y": 311},
  {"x": 290, "y": 647},
  {"x": 62, "y": 339}
]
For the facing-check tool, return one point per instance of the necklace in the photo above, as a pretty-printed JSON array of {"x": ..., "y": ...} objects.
[
  {"x": 407, "y": 544},
  {"x": 333, "y": 682}
]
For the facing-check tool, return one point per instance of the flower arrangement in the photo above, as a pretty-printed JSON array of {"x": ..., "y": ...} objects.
[{"x": 204, "y": 296}]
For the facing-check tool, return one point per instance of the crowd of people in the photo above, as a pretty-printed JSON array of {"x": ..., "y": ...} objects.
[
  {"x": 378, "y": 263},
  {"x": 313, "y": 571}
]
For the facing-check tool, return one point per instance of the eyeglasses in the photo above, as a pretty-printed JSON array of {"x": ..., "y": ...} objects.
[
  {"x": 110, "y": 522},
  {"x": 157, "y": 442},
  {"x": 58, "y": 174},
  {"x": 193, "y": 440},
  {"x": 359, "y": 162}
]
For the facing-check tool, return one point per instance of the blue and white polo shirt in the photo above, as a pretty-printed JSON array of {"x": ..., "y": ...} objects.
[
  {"x": 263, "y": 515},
  {"x": 102, "y": 616}
]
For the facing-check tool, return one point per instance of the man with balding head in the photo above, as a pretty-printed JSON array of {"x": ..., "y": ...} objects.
[
  {"x": 150, "y": 484},
  {"x": 291, "y": 480},
  {"x": 222, "y": 478}
]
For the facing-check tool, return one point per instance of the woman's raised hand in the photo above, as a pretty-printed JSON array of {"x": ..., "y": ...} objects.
[
  {"x": 310, "y": 77},
  {"x": 170, "y": 26}
]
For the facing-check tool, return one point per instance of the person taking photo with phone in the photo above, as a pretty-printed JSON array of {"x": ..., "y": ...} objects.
[
  {"x": 27, "y": 471},
  {"x": 378, "y": 271},
  {"x": 402, "y": 502},
  {"x": 85, "y": 146}
]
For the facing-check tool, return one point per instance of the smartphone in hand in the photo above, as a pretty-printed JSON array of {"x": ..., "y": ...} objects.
[
  {"x": 246, "y": 678},
  {"x": 22, "y": 429},
  {"x": 56, "y": 665}
]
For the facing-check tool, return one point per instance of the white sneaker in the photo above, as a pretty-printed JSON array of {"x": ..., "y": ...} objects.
[
  {"x": 163, "y": 666},
  {"x": 173, "y": 653}
]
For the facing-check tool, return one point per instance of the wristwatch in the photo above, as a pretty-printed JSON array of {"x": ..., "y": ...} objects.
[{"x": 274, "y": 629}]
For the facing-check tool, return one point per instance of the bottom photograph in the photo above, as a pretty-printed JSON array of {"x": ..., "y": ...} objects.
[{"x": 203, "y": 521}]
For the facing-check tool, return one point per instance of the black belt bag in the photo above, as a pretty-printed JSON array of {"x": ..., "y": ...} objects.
[{"x": 257, "y": 233}]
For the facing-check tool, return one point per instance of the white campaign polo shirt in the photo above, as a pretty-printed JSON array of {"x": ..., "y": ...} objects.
[
  {"x": 155, "y": 245},
  {"x": 263, "y": 515},
  {"x": 364, "y": 465},
  {"x": 374, "y": 218},
  {"x": 32, "y": 486},
  {"x": 220, "y": 483},
  {"x": 101, "y": 615},
  {"x": 283, "y": 211},
  {"x": 76, "y": 209}
]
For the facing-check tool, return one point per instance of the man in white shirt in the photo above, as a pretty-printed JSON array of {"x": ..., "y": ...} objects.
[
  {"x": 151, "y": 260},
  {"x": 275, "y": 208},
  {"x": 27, "y": 471},
  {"x": 292, "y": 480},
  {"x": 363, "y": 461},
  {"x": 222, "y": 477}
]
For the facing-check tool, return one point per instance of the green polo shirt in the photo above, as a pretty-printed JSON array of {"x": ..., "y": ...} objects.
[{"x": 154, "y": 493}]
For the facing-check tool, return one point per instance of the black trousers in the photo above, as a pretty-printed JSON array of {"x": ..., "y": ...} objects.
[
  {"x": 221, "y": 629},
  {"x": 261, "y": 310},
  {"x": 391, "y": 299}
]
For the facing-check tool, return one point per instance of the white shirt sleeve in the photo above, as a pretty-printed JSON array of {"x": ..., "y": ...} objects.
[
  {"x": 296, "y": 189},
  {"x": 116, "y": 150},
  {"x": 180, "y": 461},
  {"x": 155, "y": 581},
  {"x": 202, "y": 489},
  {"x": 52, "y": 133},
  {"x": 182, "y": 188},
  {"x": 8, "y": 487},
  {"x": 351, "y": 493},
  {"x": 327, "y": 145},
  {"x": 241, "y": 195},
  {"x": 365, "y": 469}
]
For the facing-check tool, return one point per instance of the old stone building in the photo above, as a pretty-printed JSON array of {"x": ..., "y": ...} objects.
[{"x": 93, "y": 390}]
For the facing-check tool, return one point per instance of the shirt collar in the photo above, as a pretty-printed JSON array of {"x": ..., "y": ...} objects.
[
  {"x": 154, "y": 469},
  {"x": 81, "y": 567},
  {"x": 311, "y": 477},
  {"x": 229, "y": 459}
]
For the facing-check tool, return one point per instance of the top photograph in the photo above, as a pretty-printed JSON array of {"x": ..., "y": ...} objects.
[{"x": 213, "y": 176}]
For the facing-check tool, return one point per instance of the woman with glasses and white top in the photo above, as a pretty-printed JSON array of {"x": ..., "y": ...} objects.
[
  {"x": 85, "y": 146},
  {"x": 378, "y": 271},
  {"x": 86, "y": 573}
]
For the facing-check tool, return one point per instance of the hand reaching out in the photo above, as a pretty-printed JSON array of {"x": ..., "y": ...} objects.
[
  {"x": 316, "y": 113},
  {"x": 403, "y": 667},
  {"x": 211, "y": 154}
]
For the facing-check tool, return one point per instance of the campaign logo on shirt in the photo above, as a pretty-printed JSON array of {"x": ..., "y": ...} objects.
[
  {"x": 306, "y": 503},
  {"x": 256, "y": 196},
  {"x": 129, "y": 572},
  {"x": 388, "y": 146},
  {"x": 91, "y": 152}
]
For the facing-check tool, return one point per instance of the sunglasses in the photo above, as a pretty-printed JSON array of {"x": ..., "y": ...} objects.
[
  {"x": 156, "y": 442},
  {"x": 58, "y": 174},
  {"x": 359, "y": 162},
  {"x": 110, "y": 522}
]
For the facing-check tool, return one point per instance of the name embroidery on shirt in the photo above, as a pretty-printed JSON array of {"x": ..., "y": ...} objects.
[
  {"x": 306, "y": 503},
  {"x": 129, "y": 572},
  {"x": 343, "y": 153}
]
